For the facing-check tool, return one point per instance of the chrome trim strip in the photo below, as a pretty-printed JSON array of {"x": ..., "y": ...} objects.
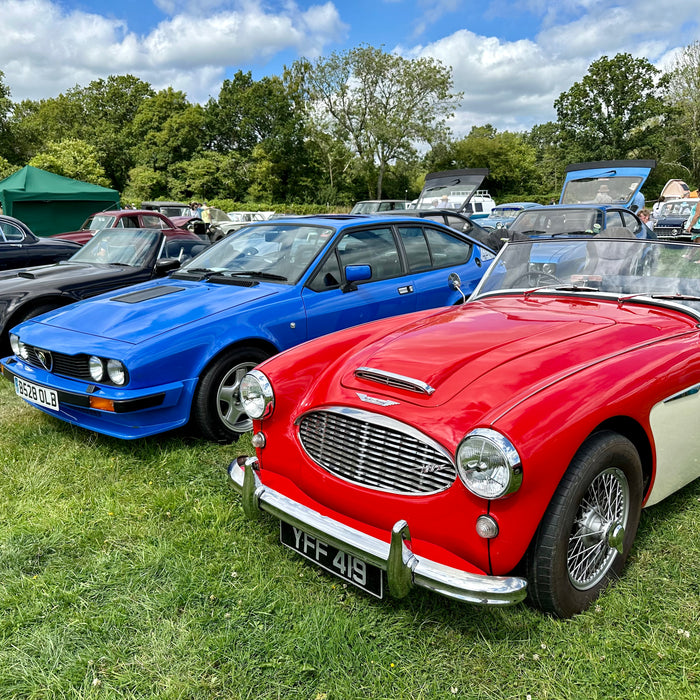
[
  {"x": 396, "y": 380},
  {"x": 404, "y": 569}
]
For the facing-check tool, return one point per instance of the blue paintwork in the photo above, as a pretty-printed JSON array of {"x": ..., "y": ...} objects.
[
  {"x": 166, "y": 342},
  {"x": 496, "y": 218},
  {"x": 624, "y": 179}
]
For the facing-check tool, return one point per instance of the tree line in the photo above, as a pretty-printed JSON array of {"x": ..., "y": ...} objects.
[{"x": 354, "y": 125}]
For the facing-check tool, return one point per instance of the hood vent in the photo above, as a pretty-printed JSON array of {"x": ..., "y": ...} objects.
[
  {"x": 397, "y": 381},
  {"x": 146, "y": 294}
]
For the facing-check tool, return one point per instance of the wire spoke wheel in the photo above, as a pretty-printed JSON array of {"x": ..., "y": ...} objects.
[{"x": 599, "y": 529}]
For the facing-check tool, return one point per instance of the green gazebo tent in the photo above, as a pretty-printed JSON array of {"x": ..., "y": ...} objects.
[{"x": 50, "y": 203}]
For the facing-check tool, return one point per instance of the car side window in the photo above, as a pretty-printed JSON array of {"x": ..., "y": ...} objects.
[
  {"x": 613, "y": 219},
  {"x": 459, "y": 224},
  {"x": 375, "y": 247},
  {"x": 328, "y": 275},
  {"x": 630, "y": 222},
  {"x": 11, "y": 233},
  {"x": 416, "y": 247},
  {"x": 152, "y": 221},
  {"x": 446, "y": 250}
]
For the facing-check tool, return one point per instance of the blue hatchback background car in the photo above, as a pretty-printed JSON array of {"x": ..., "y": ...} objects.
[{"x": 152, "y": 357}]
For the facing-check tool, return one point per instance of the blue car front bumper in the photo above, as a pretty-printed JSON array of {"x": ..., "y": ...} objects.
[{"x": 131, "y": 414}]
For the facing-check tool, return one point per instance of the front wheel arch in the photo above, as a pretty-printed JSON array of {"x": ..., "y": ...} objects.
[
  {"x": 587, "y": 531},
  {"x": 30, "y": 309},
  {"x": 215, "y": 412}
]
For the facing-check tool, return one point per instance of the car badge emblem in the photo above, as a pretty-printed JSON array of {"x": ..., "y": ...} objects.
[
  {"x": 375, "y": 401},
  {"x": 45, "y": 359}
]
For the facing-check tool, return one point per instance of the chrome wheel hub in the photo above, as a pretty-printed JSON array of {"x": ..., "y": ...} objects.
[{"x": 598, "y": 532}]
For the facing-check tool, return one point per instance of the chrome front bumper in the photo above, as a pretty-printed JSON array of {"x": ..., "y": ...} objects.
[{"x": 404, "y": 569}]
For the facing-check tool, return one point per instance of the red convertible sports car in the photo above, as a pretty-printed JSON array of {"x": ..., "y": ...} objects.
[{"x": 492, "y": 451}]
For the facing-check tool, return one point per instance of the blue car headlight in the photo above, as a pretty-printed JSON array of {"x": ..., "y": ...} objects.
[
  {"x": 488, "y": 464},
  {"x": 116, "y": 372},
  {"x": 257, "y": 396}
]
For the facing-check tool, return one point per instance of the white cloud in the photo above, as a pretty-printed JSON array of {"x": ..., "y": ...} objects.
[
  {"x": 44, "y": 51},
  {"x": 513, "y": 84}
]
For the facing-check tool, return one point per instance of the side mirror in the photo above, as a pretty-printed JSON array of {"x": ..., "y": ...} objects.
[
  {"x": 166, "y": 265},
  {"x": 455, "y": 282},
  {"x": 356, "y": 273}
]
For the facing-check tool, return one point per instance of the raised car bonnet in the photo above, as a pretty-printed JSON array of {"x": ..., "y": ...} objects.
[
  {"x": 601, "y": 172},
  {"x": 143, "y": 312}
]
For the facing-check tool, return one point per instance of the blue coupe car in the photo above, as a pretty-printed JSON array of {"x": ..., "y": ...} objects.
[{"x": 152, "y": 357}]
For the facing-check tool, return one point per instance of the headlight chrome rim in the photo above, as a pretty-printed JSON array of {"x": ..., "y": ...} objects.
[
  {"x": 96, "y": 368},
  {"x": 257, "y": 396},
  {"x": 488, "y": 464},
  {"x": 116, "y": 371},
  {"x": 16, "y": 344}
]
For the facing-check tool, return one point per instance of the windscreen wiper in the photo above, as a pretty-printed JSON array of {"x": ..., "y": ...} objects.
[{"x": 257, "y": 273}]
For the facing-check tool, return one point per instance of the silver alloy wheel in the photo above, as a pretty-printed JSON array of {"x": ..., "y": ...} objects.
[
  {"x": 228, "y": 400},
  {"x": 599, "y": 529}
]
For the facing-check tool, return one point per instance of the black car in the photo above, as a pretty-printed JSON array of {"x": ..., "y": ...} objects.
[
  {"x": 671, "y": 219},
  {"x": 112, "y": 259},
  {"x": 19, "y": 247}
]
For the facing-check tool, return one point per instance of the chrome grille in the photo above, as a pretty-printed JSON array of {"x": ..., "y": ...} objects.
[
  {"x": 75, "y": 366},
  {"x": 375, "y": 452}
]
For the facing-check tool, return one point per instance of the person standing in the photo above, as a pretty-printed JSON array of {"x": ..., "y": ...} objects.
[{"x": 693, "y": 224}]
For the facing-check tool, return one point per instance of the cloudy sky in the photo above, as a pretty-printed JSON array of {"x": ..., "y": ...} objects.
[{"x": 510, "y": 58}]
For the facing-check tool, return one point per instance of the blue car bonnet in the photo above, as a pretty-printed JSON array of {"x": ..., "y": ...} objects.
[{"x": 144, "y": 311}]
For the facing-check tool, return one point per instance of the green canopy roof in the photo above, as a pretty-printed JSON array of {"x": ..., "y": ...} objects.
[{"x": 50, "y": 203}]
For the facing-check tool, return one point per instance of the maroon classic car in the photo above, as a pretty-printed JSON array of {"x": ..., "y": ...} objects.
[
  {"x": 492, "y": 451},
  {"x": 122, "y": 218}
]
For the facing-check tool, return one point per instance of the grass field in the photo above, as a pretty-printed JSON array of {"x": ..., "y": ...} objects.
[{"x": 127, "y": 570}]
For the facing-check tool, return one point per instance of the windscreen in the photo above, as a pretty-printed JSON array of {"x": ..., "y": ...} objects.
[
  {"x": 117, "y": 246},
  {"x": 281, "y": 250}
]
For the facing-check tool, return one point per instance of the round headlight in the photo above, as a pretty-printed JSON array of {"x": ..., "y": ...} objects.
[
  {"x": 116, "y": 372},
  {"x": 97, "y": 369},
  {"x": 23, "y": 350},
  {"x": 549, "y": 268},
  {"x": 488, "y": 464},
  {"x": 257, "y": 396},
  {"x": 15, "y": 343}
]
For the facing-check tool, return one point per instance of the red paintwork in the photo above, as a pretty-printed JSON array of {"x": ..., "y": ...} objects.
[
  {"x": 544, "y": 371},
  {"x": 84, "y": 235}
]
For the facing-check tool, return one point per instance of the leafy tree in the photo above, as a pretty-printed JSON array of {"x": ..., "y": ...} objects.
[
  {"x": 72, "y": 158},
  {"x": 110, "y": 107},
  {"x": 145, "y": 184},
  {"x": 683, "y": 95},
  {"x": 379, "y": 104},
  {"x": 5, "y": 112},
  {"x": 264, "y": 123},
  {"x": 6, "y": 168},
  {"x": 100, "y": 114},
  {"x": 508, "y": 156},
  {"x": 615, "y": 111},
  {"x": 167, "y": 129},
  {"x": 210, "y": 175},
  {"x": 551, "y": 158}
]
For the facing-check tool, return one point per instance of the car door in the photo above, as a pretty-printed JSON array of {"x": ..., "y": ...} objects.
[
  {"x": 331, "y": 304},
  {"x": 17, "y": 249},
  {"x": 432, "y": 254}
]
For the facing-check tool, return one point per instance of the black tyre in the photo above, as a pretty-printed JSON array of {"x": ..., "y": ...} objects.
[
  {"x": 217, "y": 412},
  {"x": 588, "y": 529}
]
